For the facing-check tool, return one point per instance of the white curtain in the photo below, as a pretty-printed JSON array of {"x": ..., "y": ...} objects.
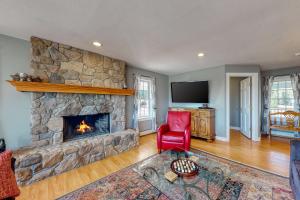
[
  {"x": 295, "y": 78},
  {"x": 136, "y": 79},
  {"x": 153, "y": 102},
  {"x": 267, "y": 89}
]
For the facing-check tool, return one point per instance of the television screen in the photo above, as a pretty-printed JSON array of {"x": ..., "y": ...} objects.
[{"x": 189, "y": 92}]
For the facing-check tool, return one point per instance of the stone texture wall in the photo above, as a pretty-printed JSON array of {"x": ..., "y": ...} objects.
[
  {"x": 39, "y": 163},
  {"x": 59, "y": 63}
]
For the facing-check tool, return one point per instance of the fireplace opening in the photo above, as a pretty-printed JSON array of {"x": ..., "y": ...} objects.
[{"x": 76, "y": 127}]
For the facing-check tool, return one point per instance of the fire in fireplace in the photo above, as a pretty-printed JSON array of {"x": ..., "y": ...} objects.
[
  {"x": 81, "y": 126},
  {"x": 84, "y": 128}
]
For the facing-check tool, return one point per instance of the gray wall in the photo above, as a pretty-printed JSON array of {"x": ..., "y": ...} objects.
[
  {"x": 14, "y": 106},
  {"x": 242, "y": 68},
  {"x": 235, "y": 105},
  {"x": 216, "y": 78},
  {"x": 162, "y": 95},
  {"x": 281, "y": 72}
]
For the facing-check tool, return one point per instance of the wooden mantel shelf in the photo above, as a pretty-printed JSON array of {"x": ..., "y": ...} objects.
[{"x": 63, "y": 88}]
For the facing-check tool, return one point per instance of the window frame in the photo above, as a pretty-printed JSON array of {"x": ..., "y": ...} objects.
[{"x": 279, "y": 79}]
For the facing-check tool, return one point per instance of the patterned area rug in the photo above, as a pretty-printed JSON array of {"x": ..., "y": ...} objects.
[{"x": 218, "y": 178}]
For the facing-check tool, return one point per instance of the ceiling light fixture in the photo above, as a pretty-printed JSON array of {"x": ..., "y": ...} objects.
[
  {"x": 201, "y": 54},
  {"x": 97, "y": 44},
  {"x": 297, "y": 54}
]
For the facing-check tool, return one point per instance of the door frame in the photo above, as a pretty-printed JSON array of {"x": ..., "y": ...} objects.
[{"x": 255, "y": 100}]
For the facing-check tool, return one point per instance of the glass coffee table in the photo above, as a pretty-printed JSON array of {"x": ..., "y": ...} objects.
[{"x": 209, "y": 183}]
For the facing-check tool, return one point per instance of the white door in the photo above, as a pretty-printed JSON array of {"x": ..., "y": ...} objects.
[
  {"x": 245, "y": 88},
  {"x": 146, "y": 105}
]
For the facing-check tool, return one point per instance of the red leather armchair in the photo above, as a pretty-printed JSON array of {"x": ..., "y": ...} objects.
[{"x": 176, "y": 133}]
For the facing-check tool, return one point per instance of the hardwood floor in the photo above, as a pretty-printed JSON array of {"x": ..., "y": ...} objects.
[{"x": 267, "y": 154}]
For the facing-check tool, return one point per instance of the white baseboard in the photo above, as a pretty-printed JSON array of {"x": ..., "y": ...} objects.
[
  {"x": 224, "y": 139},
  {"x": 147, "y": 132},
  {"x": 235, "y": 128}
]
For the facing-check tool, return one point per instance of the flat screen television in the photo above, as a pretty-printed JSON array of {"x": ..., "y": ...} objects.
[{"x": 189, "y": 92}]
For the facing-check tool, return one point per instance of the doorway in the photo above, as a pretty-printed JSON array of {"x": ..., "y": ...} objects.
[
  {"x": 146, "y": 105},
  {"x": 242, "y": 105}
]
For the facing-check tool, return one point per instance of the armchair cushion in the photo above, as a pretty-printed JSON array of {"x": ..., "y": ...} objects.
[
  {"x": 295, "y": 149},
  {"x": 297, "y": 166},
  {"x": 8, "y": 184},
  {"x": 173, "y": 136},
  {"x": 178, "y": 121}
]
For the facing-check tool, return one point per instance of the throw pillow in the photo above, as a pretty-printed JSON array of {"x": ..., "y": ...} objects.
[{"x": 8, "y": 184}]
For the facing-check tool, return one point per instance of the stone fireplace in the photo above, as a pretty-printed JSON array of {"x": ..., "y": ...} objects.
[
  {"x": 59, "y": 63},
  {"x": 71, "y": 130},
  {"x": 82, "y": 126}
]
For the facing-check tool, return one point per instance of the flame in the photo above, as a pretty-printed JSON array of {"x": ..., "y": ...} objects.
[{"x": 83, "y": 127}]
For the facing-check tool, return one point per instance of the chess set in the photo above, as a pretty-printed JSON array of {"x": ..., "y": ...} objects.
[{"x": 184, "y": 167}]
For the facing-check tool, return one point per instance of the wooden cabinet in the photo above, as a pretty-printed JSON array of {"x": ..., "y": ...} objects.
[{"x": 203, "y": 122}]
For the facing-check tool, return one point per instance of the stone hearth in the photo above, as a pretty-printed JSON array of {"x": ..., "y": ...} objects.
[{"x": 39, "y": 163}]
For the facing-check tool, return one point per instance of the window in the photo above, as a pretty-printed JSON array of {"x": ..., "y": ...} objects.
[
  {"x": 145, "y": 106},
  {"x": 282, "y": 98}
]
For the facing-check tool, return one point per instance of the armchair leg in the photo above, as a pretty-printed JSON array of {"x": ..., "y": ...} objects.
[{"x": 159, "y": 151}]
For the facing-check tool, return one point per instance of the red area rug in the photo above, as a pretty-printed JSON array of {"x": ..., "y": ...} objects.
[{"x": 218, "y": 178}]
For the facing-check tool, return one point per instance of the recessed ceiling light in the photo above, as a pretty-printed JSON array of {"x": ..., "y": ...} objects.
[
  {"x": 297, "y": 54},
  {"x": 201, "y": 54},
  {"x": 97, "y": 44}
]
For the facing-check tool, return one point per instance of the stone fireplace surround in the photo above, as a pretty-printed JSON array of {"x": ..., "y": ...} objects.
[
  {"x": 49, "y": 155},
  {"x": 48, "y": 110}
]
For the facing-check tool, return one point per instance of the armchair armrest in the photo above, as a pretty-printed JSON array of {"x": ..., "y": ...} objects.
[
  {"x": 161, "y": 130},
  {"x": 295, "y": 150},
  {"x": 187, "y": 138}
]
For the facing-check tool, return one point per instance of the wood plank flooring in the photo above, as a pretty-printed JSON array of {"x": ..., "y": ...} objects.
[{"x": 267, "y": 154}]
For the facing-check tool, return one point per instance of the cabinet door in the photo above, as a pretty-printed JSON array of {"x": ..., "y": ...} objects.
[
  {"x": 194, "y": 128},
  {"x": 200, "y": 126},
  {"x": 203, "y": 125}
]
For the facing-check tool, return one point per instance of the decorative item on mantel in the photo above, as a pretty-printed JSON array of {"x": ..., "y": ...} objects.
[{"x": 25, "y": 77}]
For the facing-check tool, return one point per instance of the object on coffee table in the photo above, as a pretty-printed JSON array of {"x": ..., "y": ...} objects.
[
  {"x": 184, "y": 167},
  {"x": 171, "y": 176},
  {"x": 194, "y": 158}
]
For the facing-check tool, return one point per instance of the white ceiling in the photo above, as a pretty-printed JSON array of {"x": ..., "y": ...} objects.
[{"x": 165, "y": 35}]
